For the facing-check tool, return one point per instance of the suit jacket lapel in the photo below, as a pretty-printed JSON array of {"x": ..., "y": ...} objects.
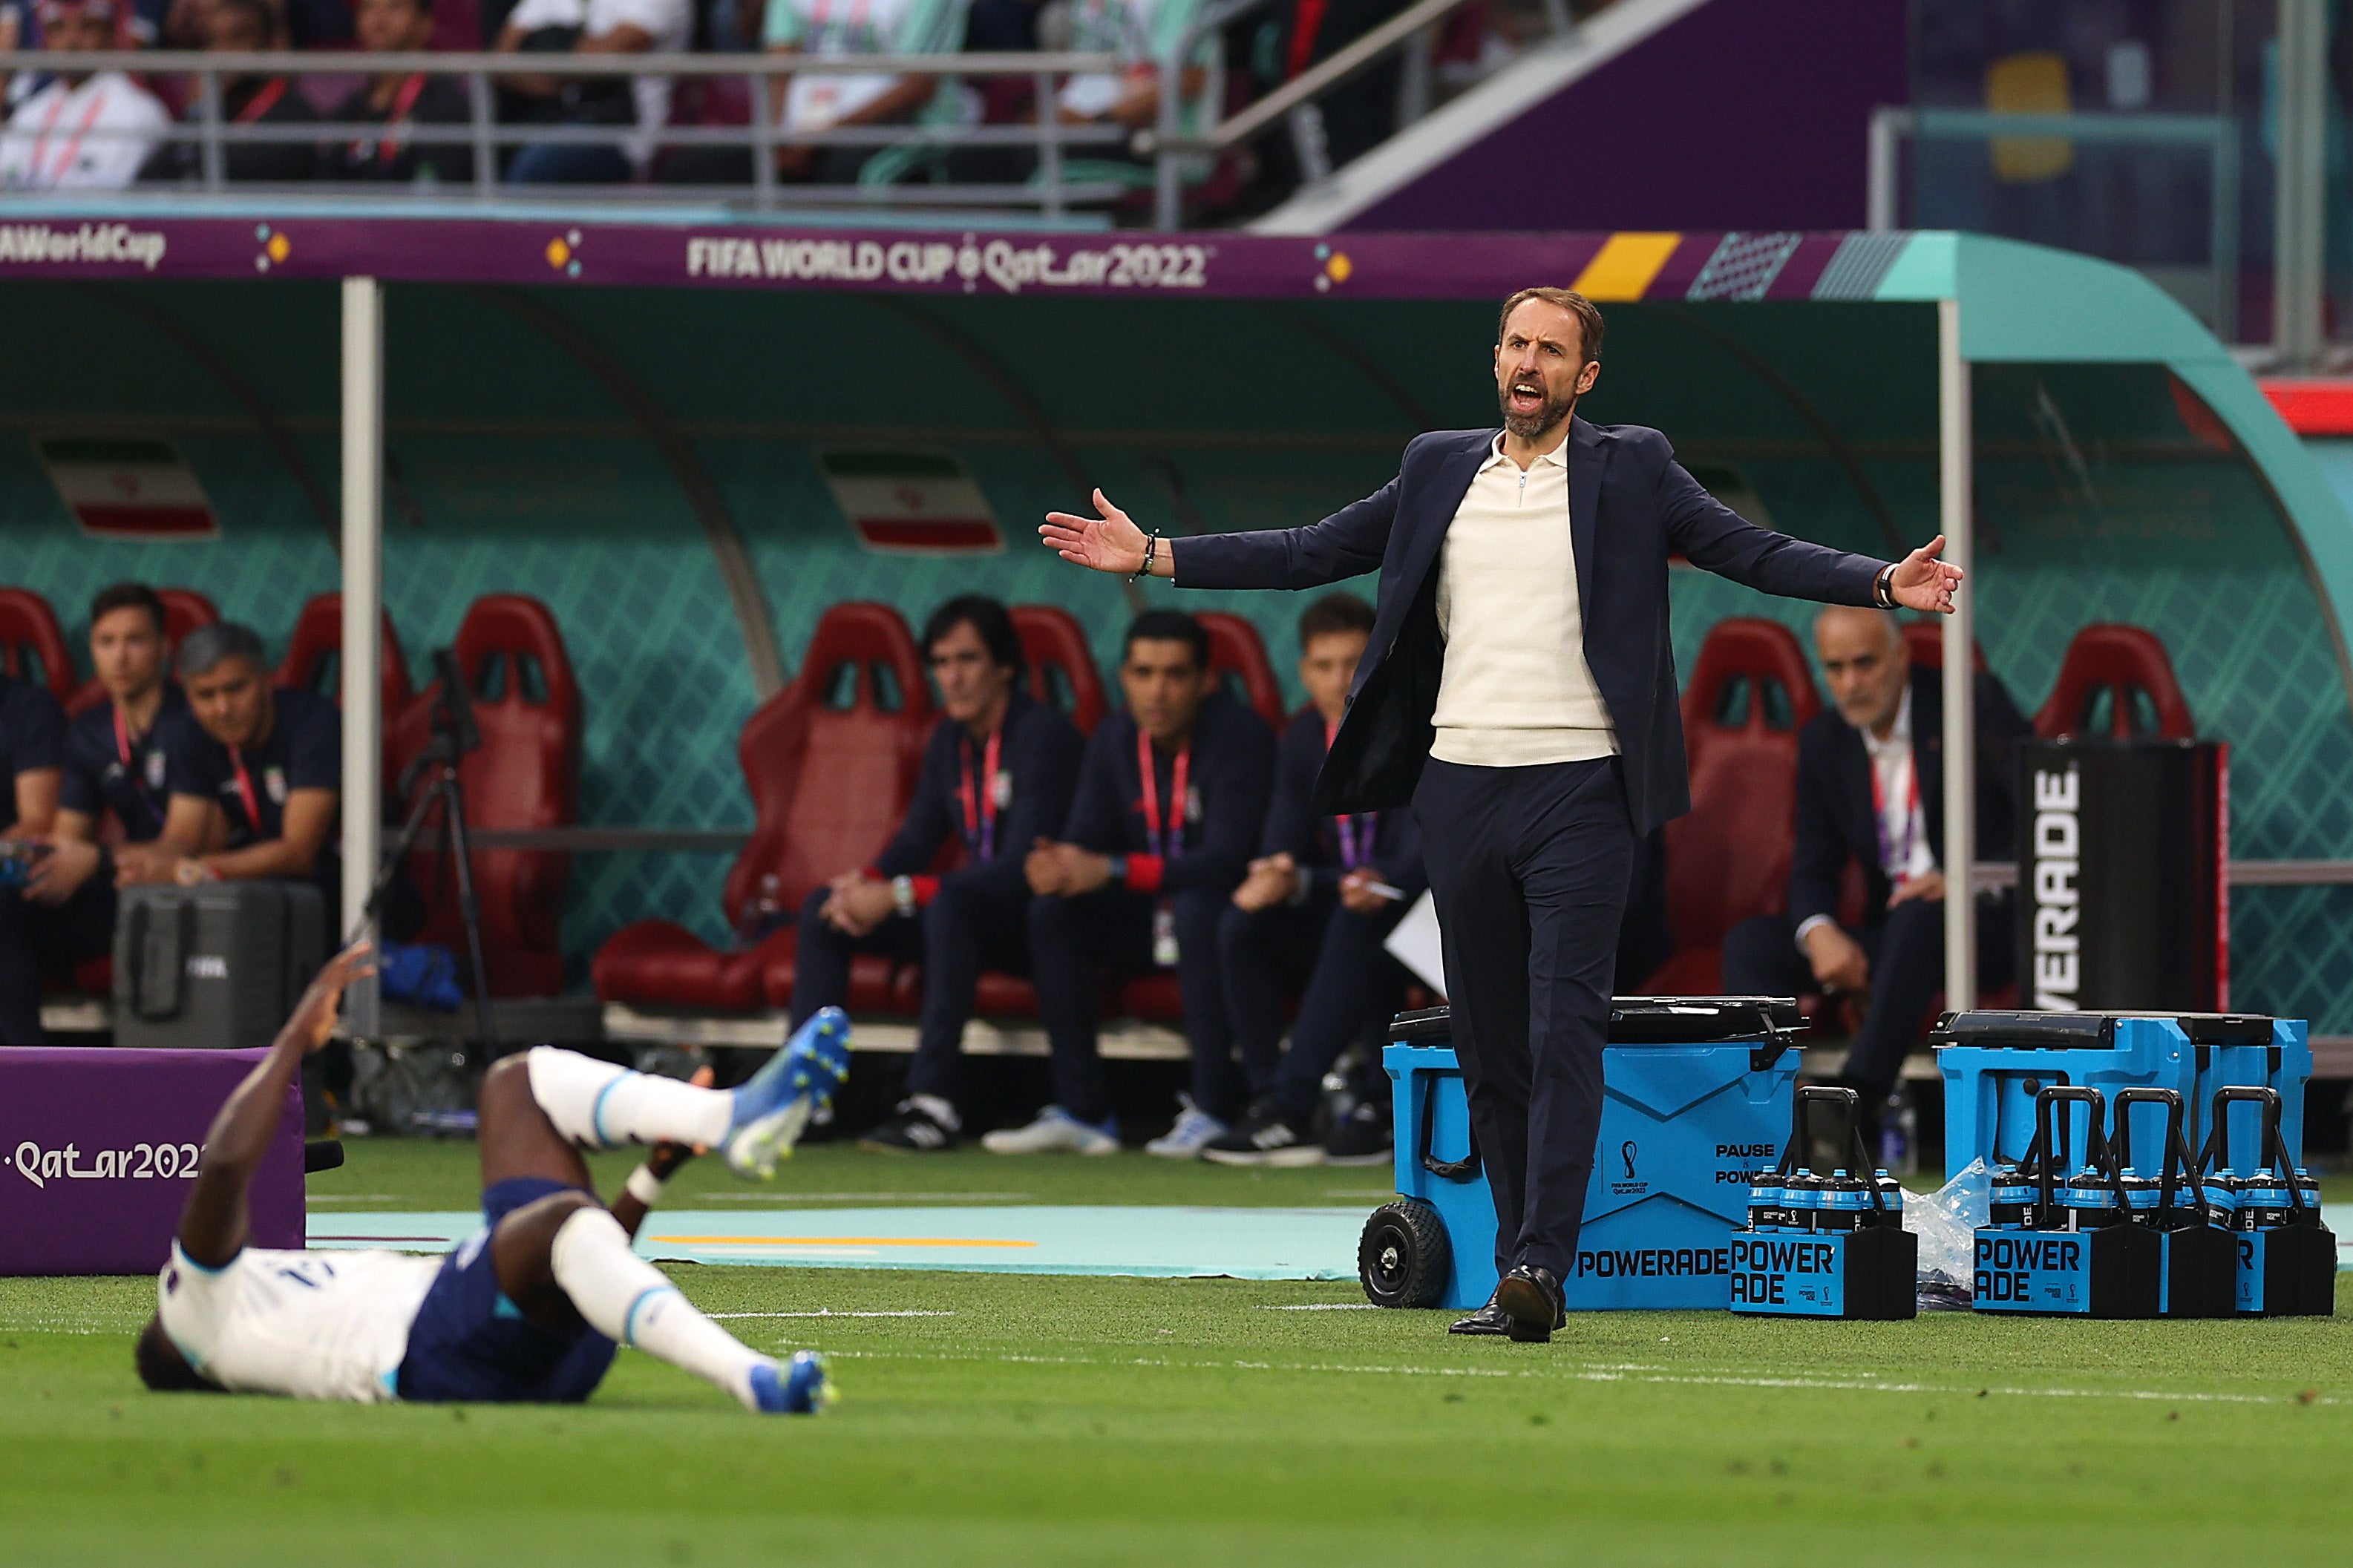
[
  {"x": 1586, "y": 456},
  {"x": 1446, "y": 491}
]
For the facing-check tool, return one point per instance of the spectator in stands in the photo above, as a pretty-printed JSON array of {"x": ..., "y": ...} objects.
[
  {"x": 1141, "y": 33},
  {"x": 32, "y": 745},
  {"x": 1315, "y": 908},
  {"x": 997, "y": 776},
  {"x": 245, "y": 27},
  {"x": 812, "y": 101},
  {"x": 88, "y": 131},
  {"x": 1171, "y": 798},
  {"x": 1341, "y": 124},
  {"x": 399, "y": 102},
  {"x": 594, "y": 28},
  {"x": 253, "y": 782},
  {"x": 1871, "y": 792},
  {"x": 113, "y": 760}
]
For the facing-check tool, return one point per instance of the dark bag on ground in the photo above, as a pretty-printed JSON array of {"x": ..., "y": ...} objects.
[{"x": 216, "y": 966}]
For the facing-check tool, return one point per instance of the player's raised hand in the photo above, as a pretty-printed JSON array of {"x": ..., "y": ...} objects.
[
  {"x": 314, "y": 1015},
  {"x": 1107, "y": 543},
  {"x": 1924, "y": 582}
]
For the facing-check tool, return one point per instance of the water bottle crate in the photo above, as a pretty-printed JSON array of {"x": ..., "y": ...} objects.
[{"x": 1825, "y": 1246}]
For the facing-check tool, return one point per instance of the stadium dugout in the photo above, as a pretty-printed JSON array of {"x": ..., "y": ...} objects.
[{"x": 691, "y": 437}]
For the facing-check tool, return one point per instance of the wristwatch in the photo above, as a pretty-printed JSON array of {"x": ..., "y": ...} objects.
[
  {"x": 1883, "y": 587},
  {"x": 902, "y": 893},
  {"x": 1118, "y": 871}
]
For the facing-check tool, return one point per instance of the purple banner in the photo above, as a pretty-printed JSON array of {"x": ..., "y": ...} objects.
[
  {"x": 530, "y": 249},
  {"x": 99, "y": 1148}
]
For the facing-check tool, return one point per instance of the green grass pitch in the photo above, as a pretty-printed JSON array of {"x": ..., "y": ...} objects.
[{"x": 1064, "y": 1420}]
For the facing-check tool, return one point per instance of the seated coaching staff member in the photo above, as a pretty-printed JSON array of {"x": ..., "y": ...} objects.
[
  {"x": 32, "y": 744},
  {"x": 1315, "y": 907},
  {"x": 1870, "y": 789},
  {"x": 997, "y": 773},
  {"x": 253, "y": 781},
  {"x": 1520, "y": 691},
  {"x": 1170, "y": 799},
  {"x": 114, "y": 757}
]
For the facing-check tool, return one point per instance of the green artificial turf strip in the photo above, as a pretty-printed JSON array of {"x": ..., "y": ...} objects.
[
  {"x": 1066, "y": 1419},
  {"x": 391, "y": 1174}
]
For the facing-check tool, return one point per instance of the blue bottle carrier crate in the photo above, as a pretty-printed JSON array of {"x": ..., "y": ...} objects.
[
  {"x": 1696, "y": 1095},
  {"x": 2286, "y": 1257},
  {"x": 1995, "y": 1063},
  {"x": 1823, "y": 1245}
]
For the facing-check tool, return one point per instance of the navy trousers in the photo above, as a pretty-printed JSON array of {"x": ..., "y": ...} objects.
[
  {"x": 1529, "y": 867},
  {"x": 969, "y": 925},
  {"x": 33, "y": 934},
  {"x": 1352, "y": 987},
  {"x": 1073, "y": 940}
]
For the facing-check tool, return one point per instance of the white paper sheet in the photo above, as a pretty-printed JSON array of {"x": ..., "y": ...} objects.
[{"x": 1413, "y": 941}]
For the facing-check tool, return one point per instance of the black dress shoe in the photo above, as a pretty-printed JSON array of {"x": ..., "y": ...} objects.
[
  {"x": 1487, "y": 1319},
  {"x": 1529, "y": 1298}
]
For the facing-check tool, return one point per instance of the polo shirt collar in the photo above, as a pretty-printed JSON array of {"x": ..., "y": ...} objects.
[{"x": 1557, "y": 456}]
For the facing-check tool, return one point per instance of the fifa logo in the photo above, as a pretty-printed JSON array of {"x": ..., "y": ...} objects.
[{"x": 1626, "y": 1151}]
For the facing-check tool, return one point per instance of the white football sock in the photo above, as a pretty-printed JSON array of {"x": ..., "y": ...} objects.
[
  {"x": 630, "y": 1301},
  {"x": 601, "y": 1106}
]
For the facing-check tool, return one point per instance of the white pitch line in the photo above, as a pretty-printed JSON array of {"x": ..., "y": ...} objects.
[
  {"x": 829, "y": 1312},
  {"x": 786, "y": 1200},
  {"x": 1605, "y": 1373},
  {"x": 1326, "y": 1307}
]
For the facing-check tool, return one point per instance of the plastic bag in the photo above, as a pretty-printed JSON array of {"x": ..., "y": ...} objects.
[{"x": 1947, "y": 1221}]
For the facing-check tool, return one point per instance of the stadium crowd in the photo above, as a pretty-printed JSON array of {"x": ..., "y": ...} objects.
[{"x": 110, "y": 130}]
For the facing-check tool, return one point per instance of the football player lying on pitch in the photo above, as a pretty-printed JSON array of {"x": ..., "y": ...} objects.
[{"x": 528, "y": 1310}]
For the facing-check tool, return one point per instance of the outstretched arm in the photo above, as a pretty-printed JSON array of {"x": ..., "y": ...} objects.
[
  {"x": 1713, "y": 536},
  {"x": 1348, "y": 543},
  {"x": 214, "y": 1227}
]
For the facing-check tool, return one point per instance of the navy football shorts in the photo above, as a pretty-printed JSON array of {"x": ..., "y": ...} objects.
[{"x": 469, "y": 1344}]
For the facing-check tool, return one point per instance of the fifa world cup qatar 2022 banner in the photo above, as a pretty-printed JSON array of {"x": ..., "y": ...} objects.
[{"x": 99, "y": 1149}]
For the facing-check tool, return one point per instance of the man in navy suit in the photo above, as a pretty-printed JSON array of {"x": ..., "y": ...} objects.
[
  {"x": 1871, "y": 790},
  {"x": 1519, "y": 693}
]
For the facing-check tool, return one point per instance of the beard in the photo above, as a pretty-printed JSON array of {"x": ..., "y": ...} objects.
[{"x": 1527, "y": 427}]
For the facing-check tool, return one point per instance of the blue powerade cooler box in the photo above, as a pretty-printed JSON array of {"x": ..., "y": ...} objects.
[
  {"x": 1995, "y": 1064},
  {"x": 1697, "y": 1095}
]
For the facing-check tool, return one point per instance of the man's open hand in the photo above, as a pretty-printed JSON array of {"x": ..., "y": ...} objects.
[
  {"x": 1924, "y": 582},
  {"x": 1107, "y": 543},
  {"x": 314, "y": 1015}
]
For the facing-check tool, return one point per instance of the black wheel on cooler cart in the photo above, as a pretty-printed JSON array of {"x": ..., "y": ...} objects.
[{"x": 1404, "y": 1256}]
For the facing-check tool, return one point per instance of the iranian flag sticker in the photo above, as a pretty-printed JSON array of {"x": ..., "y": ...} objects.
[
  {"x": 127, "y": 487},
  {"x": 911, "y": 502}
]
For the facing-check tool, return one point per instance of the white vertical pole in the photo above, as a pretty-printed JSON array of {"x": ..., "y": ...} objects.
[
  {"x": 2300, "y": 200},
  {"x": 1954, "y": 507},
  {"x": 363, "y": 551}
]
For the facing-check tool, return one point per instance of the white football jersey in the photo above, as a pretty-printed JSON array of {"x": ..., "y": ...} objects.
[
  {"x": 90, "y": 137},
  {"x": 312, "y": 1325}
]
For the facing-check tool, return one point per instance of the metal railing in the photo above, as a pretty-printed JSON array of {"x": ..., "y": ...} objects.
[
  {"x": 1890, "y": 127},
  {"x": 485, "y": 136}
]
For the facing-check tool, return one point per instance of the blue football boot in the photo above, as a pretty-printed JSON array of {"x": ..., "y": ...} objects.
[
  {"x": 775, "y": 1104},
  {"x": 799, "y": 1387}
]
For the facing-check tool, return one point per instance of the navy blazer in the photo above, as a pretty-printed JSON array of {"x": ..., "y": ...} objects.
[
  {"x": 1836, "y": 820},
  {"x": 1630, "y": 505}
]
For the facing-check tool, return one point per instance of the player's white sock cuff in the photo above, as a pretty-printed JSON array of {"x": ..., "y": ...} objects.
[
  {"x": 630, "y": 1301},
  {"x": 602, "y": 1106}
]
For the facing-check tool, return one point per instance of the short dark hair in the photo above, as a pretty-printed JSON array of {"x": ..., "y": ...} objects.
[
  {"x": 1341, "y": 612},
  {"x": 1169, "y": 626},
  {"x": 161, "y": 1365},
  {"x": 262, "y": 11},
  {"x": 1589, "y": 324},
  {"x": 989, "y": 620},
  {"x": 128, "y": 596},
  {"x": 202, "y": 652}
]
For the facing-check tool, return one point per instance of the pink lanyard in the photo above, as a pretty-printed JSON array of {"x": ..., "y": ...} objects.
[
  {"x": 129, "y": 767},
  {"x": 1352, "y": 854},
  {"x": 64, "y": 162},
  {"x": 244, "y": 793},
  {"x": 980, "y": 816},
  {"x": 1879, "y": 817}
]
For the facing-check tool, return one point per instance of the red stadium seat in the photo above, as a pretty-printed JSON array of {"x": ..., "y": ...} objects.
[
  {"x": 1750, "y": 694},
  {"x": 184, "y": 610},
  {"x": 830, "y": 762},
  {"x": 1925, "y": 642},
  {"x": 2116, "y": 681},
  {"x": 525, "y": 774},
  {"x": 314, "y": 654},
  {"x": 1061, "y": 668},
  {"x": 1239, "y": 656},
  {"x": 32, "y": 644}
]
